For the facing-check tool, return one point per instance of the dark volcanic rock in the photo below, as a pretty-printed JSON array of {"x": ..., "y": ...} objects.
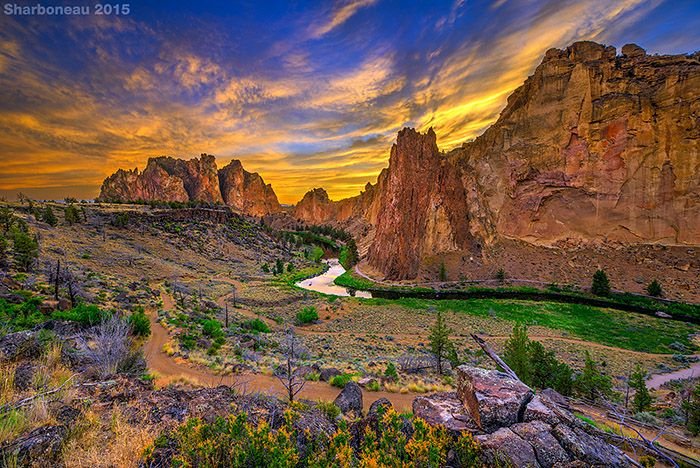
[
  {"x": 546, "y": 446},
  {"x": 350, "y": 398}
]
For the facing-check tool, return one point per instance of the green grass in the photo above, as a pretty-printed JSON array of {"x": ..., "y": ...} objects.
[
  {"x": 610, "y": 327},
  {"x": 341, "y": 380}
]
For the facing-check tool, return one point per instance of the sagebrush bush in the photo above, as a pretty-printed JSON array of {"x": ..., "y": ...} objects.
[
  {"x": 140, "y": 325},
  {"x": 307, "y": 315}
]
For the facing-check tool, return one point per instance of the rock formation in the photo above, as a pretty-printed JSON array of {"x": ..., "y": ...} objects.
[
  {"x": 196, "y": 180},
  {"x": 246, "y": 191},
  {"x": 593, "y": 146},
  {"x": 516, "y": 427}
]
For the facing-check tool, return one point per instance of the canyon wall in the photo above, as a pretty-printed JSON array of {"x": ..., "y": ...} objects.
[
  {"x": 593, "y": 146},
  {"x": 195, "y": 180}
]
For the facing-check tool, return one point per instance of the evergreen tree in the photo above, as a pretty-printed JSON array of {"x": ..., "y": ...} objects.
[
  {"x": 7, "y": 219},
  {"x": 440, "y": 343},
  {"x": 501, "y": 275},
  {"x": 601, "y": 284},
  {"x": 654, "y": 289},
  {"x": 3, "y": 250},
  {"x": 517, "y": 352},
  {"x": 48, "y": 217},
  {"x": 26, "y": 249},
  {"x": 591, "y": 383},
  {"x": 642, "y": 399},
  {"x": 279, "y": 266},
  {"x": 72, "y": 214},
  {"x": 266, "y": 268}
]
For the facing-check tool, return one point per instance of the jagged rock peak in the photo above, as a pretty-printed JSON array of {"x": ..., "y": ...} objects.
[{"x": 195, "y": 180}]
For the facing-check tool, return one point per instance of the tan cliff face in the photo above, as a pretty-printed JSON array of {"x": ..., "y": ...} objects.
[
  {"x": 595, "y": 145},
  {"x": 197, "y": 180}
]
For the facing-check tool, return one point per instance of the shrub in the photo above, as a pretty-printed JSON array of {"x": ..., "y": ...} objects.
[
  {"x": 256, "y": 325},
  {"x": 313, "y": 377},
  {"x": 307, "y": 315},
  {"x": 341, "y": 380},
  {"x": 72, "y": 214},
  {"x": 328, "y": 408},
  {"x": 373, "y": 386},
  {"x": 601, "y": 284},
  {"x": 212, "y": 328},
  {"x": 82, "y": 313},
  {"x": 140, "y": 325},
  {"x": 188, "y": 341}
]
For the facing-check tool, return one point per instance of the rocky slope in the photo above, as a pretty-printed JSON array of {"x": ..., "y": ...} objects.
[
  {"x": 593, "y": 146},
  {"x": 195, "y": 180}
]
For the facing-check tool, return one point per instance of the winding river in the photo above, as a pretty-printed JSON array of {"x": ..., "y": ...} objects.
[{"x": 324, "y": 283}]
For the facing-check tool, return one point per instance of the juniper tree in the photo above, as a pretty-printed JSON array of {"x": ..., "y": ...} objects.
[
  {"x": 601, "y": 284},
  {"x": 48, "y": 217},
  {"x": 440, "y": 344},
  {"x": 642, "y": 399},
  {"x": 591, "y": 382},
  {"x": 654, "y": 289}
]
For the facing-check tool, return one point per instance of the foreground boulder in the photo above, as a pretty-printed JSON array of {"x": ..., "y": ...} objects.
[
  {"x": 350, "y": 399},
  {"x": 515, "y": 427},
  {"x": 494, "y": 400}
]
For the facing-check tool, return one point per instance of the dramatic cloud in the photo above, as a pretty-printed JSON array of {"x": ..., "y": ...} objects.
[{"x": 305, "y": 96}]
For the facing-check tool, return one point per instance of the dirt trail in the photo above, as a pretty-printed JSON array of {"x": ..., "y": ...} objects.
[{"x": 169, "y": 370}]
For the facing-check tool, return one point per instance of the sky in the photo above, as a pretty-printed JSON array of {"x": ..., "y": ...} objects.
[{"x": 308, "y": 94}]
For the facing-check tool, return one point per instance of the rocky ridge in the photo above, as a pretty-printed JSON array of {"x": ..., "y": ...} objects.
[{"x": 168, "y": 179}]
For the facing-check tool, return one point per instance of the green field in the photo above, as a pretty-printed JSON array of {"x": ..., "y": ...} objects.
[{"x": 625, "y": 330}]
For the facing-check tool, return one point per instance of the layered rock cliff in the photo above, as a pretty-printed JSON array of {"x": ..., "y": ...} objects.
[
  {"x": 594, "y": 145},
  {"x": 195, "y": 180}
]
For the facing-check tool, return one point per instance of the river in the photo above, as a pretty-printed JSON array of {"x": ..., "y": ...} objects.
[{"x": 325, "y": 283}]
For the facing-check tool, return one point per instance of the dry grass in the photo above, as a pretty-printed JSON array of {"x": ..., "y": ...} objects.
[
  {"x": 111, "y": 443},
  {"x": 392, "y": 387}
]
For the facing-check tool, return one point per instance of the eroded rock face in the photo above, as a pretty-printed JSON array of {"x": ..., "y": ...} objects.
[
  {"x": 195, "y": 180},
  {"x": 246, "y": 191}
]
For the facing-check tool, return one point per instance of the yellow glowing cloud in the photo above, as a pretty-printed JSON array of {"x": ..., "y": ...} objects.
[{"x": 340, "y": 16}]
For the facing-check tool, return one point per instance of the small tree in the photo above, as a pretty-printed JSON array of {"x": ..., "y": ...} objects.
[
  {"x": 72, "y": 214},
  {"x": 26, "y": 249},
  {"x": 654, "y": 289},
  {"x": 7, "y": 219},
  {"x": 516, "y": 352},
  {"x": 110, "y": 345},
  {"x": 48, "y": 217},
  {"x": 279, "y": 266},
  {"x": 290, "y": 377},
  {"x": 390, "y": 372},
  {"x": 501, "y": 275},
  {"x": 601, "y": 284},
  {"x": 591, "y": 383},
  {"x": 265, "y": 268},
  {"x": 642, "y": 399},
  {"x": 3, "y": 251},
  {"x": 440, "y": 344}
]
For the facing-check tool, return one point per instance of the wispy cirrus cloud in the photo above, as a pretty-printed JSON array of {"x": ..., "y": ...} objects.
[{"x": 342, "y": 12}]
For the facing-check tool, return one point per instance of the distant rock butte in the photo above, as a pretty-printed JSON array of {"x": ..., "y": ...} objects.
[
  {"x": 593, "y": 146},
  {"x": 169, "y": 179}
]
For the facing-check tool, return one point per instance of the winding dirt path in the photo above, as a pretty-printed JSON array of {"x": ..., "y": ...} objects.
[{"x": 173, "y": 370}]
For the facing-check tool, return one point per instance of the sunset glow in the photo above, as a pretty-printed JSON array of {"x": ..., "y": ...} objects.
[{"x": 306, "y": 95}]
